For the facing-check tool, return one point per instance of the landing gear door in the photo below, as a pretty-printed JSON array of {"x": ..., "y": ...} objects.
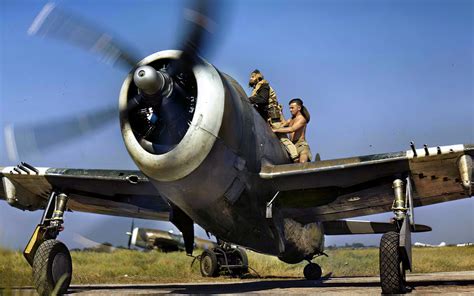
[
  {"x": 185, "y": 225},
  {"x": 405, "y": 244}
]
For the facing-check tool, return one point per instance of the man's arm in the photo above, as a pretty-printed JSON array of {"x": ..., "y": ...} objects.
[
  {"x": 262, "y": 95},
  {"x": 297, "y": 124}
]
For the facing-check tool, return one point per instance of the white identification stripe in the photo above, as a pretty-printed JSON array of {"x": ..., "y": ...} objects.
[
  {"x": 41, "y": 170},
  {"x": 434, "y": 151}
]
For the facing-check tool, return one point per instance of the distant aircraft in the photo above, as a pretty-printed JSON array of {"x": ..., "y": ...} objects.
[
  {"x": 166, "y": 241},
  {"x": 465, "y": 245},
  {"x": 207, "y": 157},
  {"x": 418, "y": 244}
]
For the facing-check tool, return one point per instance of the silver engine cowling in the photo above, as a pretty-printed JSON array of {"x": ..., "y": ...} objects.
[{"x": 199, "y": 138}]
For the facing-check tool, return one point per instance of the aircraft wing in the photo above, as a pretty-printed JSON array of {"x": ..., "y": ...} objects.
[
  {"x": 110, "y": 192},
  {"x": 350, "y": 187}
]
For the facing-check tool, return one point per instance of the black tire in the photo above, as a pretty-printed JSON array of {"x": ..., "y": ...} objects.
[
  {"x": 243, "y": 260},
  {"x": 392, "y": 273},
  {"x": 209, "y": 265},
  {"x": 52, "y": 265},
  {"x": 312, "y": 271}
]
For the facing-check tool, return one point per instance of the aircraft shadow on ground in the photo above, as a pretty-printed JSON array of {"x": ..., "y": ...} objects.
[{"x": 264, "y": 283}]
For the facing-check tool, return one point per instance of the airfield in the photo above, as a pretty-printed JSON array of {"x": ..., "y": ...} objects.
[
  {"x": 429, "y": 283},
  {"x": 204, "y": 154},
  {"x": 447, "y": 269}
]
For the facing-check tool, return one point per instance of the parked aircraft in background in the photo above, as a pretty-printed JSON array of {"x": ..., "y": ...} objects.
[
  {"x": 418, "y": 244},
  {"x": 166, "y": 241}
]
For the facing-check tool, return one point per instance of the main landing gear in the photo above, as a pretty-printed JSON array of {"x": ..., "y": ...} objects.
[
  {"x": 50, "y": 258},
  {"x": 224, "y": 259},
  {"x": 395, "y": 246}
]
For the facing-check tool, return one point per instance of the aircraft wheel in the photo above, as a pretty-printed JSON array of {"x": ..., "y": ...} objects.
[
  {"x": 312, "y": 271},
  {"x": 242, "y": 259},
  {"x": 209, "y": 265},
  {"x": 52, "y": 268},
  {"x": 392, "y": 273}
]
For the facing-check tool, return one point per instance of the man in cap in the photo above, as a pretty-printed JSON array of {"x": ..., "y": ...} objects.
[
  {"x": 260, "y": 96},
  {"x": 264, "y": 99}
]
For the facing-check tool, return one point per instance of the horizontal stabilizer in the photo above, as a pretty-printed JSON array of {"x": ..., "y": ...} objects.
[{"x": 340, "y": 227}]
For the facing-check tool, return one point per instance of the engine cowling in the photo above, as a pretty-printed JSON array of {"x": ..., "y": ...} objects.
[{"x": 187, "y": 154}]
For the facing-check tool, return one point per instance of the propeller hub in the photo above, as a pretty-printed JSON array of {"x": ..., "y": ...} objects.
[
  {"x": 188, "y": 122},
  {"x": 152, "y": 82}
]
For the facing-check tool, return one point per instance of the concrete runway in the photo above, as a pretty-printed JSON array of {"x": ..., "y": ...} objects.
[{"x": 428, "y": 284}]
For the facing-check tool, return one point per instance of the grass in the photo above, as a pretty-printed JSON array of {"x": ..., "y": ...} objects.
[{"x": 124, "y": 266}]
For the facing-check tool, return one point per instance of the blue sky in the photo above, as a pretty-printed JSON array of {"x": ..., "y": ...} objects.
[{"x": 374, "y": 75}]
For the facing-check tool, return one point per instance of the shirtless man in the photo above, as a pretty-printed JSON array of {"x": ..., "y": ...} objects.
[{"x": 296, "y": 127}]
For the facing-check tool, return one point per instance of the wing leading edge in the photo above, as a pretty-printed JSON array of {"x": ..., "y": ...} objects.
[
  {"x": 110, "y": 192},
  {"x": 350, "y": 187}
]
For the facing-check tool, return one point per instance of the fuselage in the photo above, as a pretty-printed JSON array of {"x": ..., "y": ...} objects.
[{"x": 212, "y": 173}]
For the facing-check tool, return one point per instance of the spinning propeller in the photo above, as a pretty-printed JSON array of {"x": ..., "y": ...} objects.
[{"x": 162, "y": 93}]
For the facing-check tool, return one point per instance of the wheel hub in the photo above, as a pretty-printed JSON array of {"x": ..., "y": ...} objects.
[{"x": 59, "y": 266}]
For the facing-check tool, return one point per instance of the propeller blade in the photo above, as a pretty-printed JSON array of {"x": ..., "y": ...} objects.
[
  {"x": 201, "y": 30},
  {"x": 55, "y": 23},
  {"x": 28, "y": 139},
  {"x": 200, "y": 26}
]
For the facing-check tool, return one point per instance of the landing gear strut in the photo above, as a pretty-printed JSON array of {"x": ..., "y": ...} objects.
[
  {"x": 224, "y": 259},
  {"x": 50, "y": 258},
  {"x": 395, "y": 246}
]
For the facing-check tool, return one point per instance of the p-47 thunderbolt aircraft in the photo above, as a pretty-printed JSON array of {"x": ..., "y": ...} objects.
[
  {"x": 206, "y": 156},
  {"x": 166, "y": 241}
]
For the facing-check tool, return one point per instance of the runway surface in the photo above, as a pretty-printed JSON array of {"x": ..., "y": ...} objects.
[{"x": 428, "y": 284}]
